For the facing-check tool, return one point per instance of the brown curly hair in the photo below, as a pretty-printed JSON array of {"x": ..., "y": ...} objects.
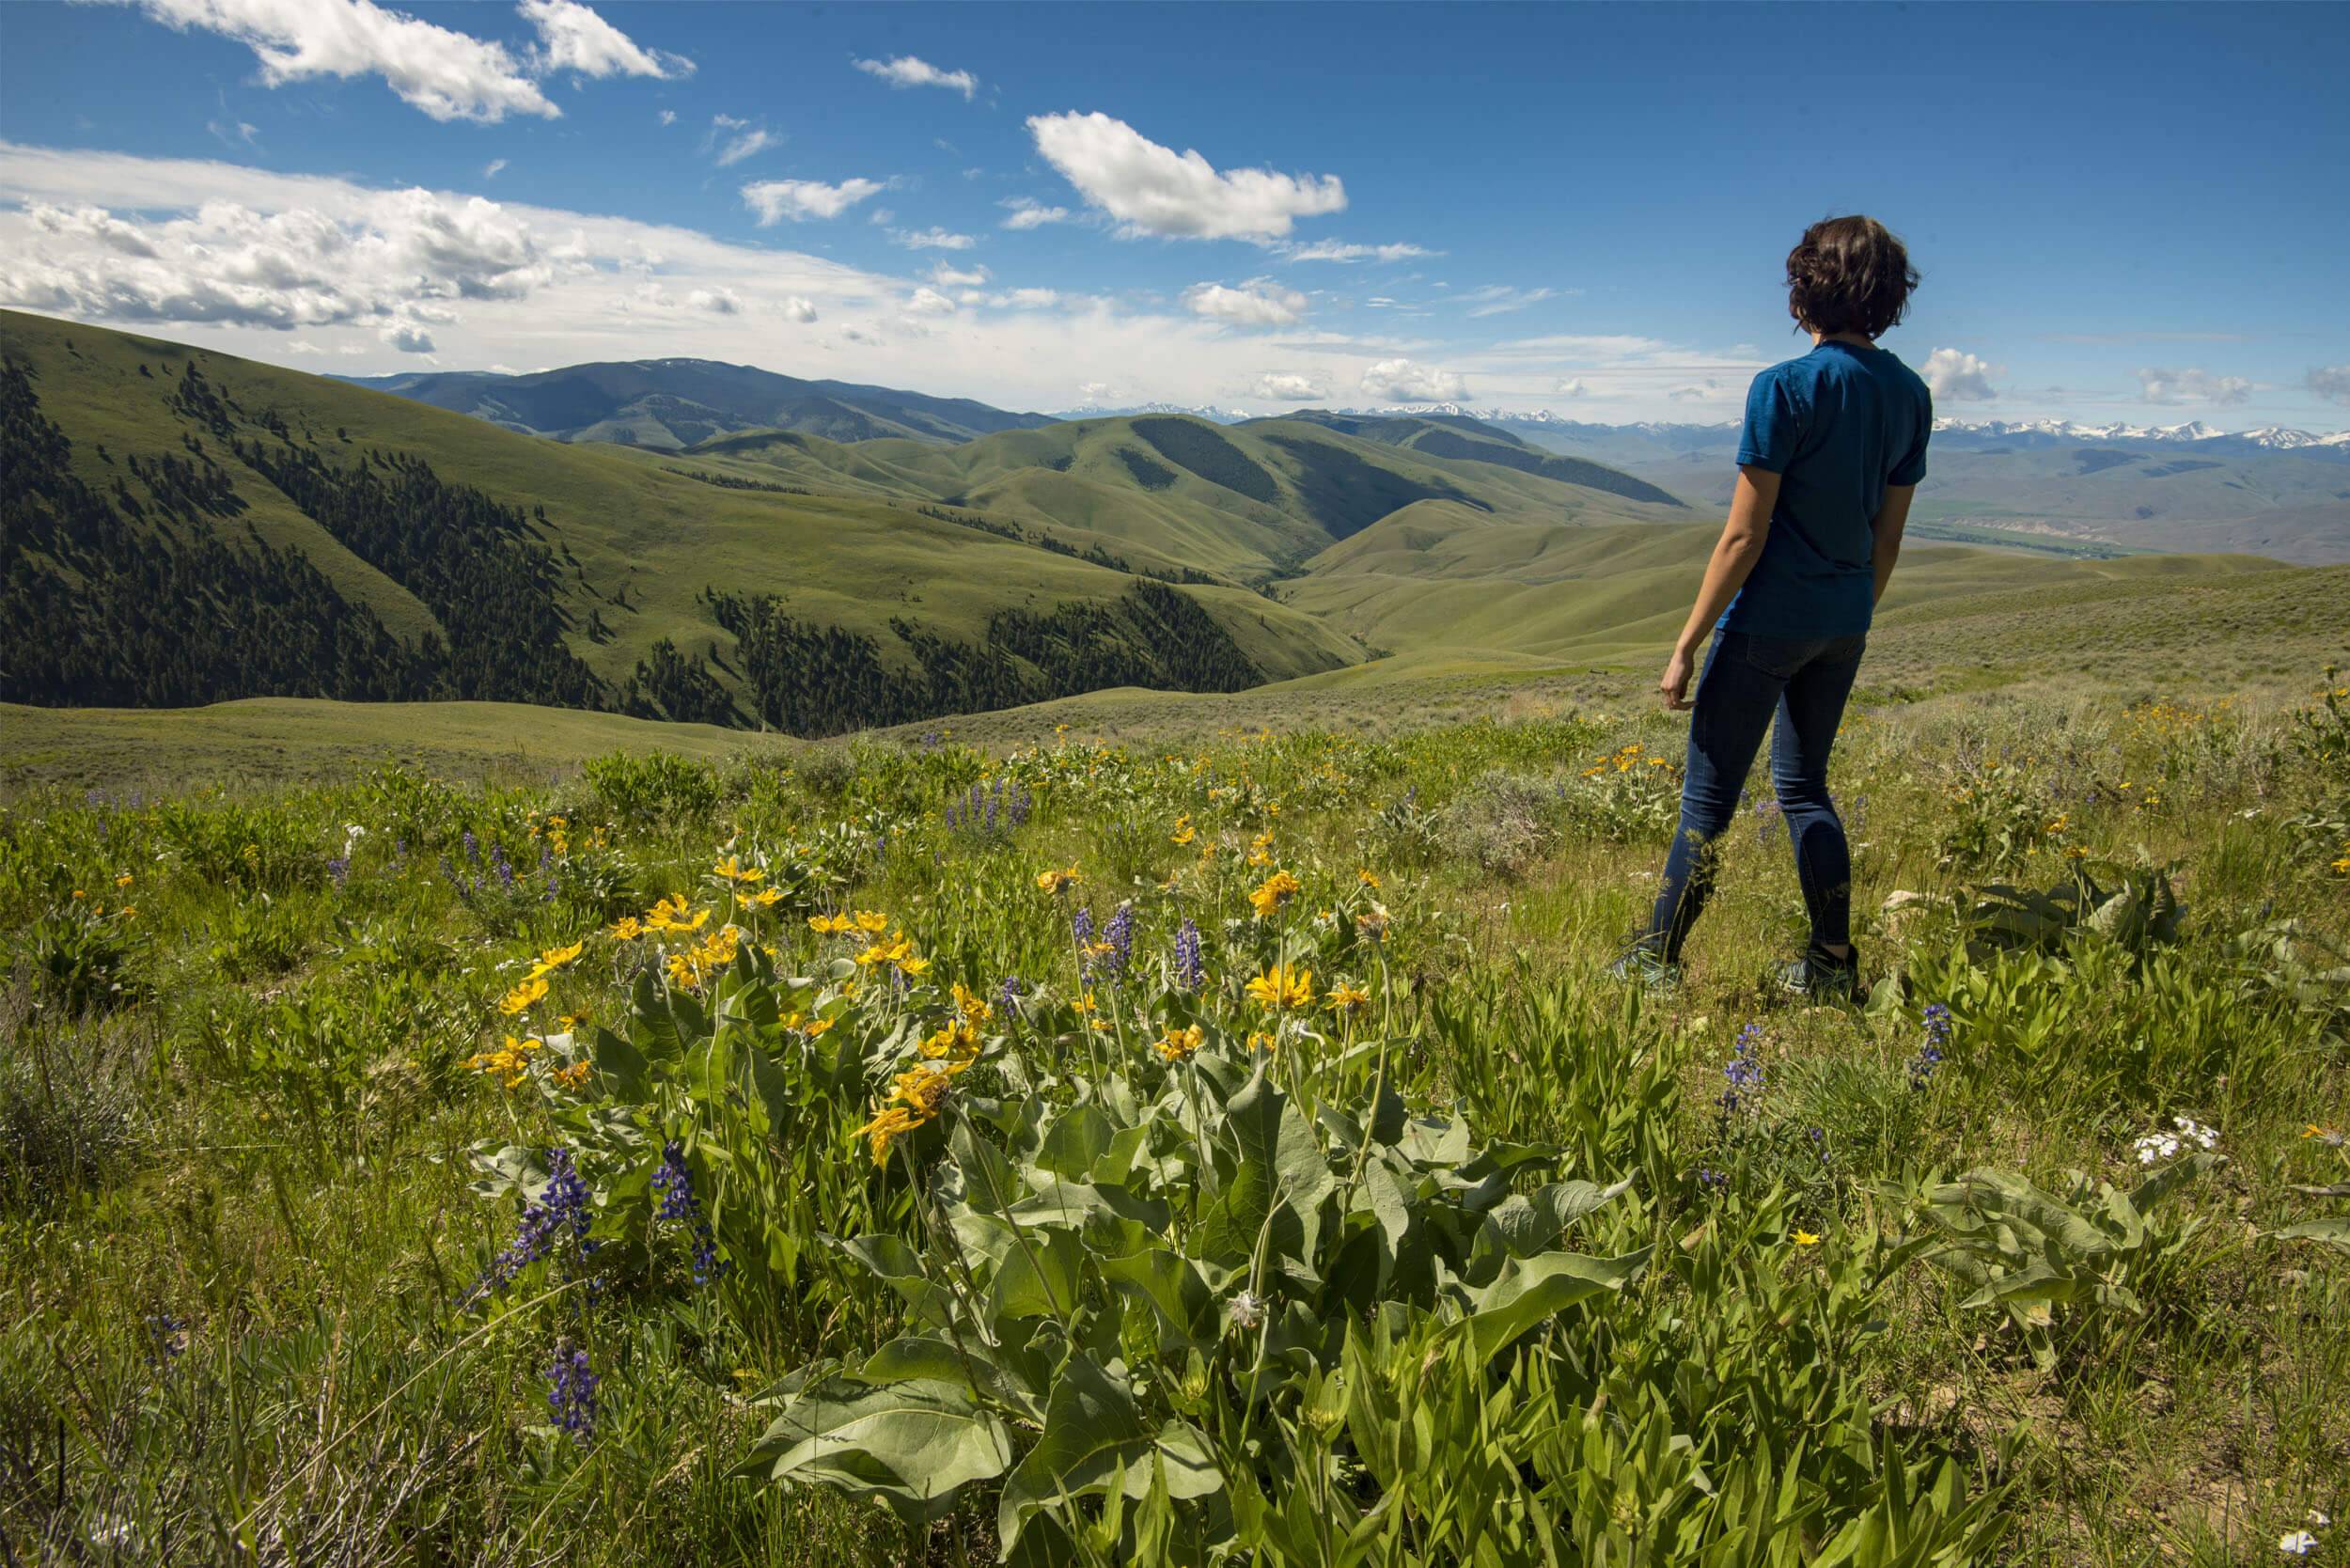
[{"x": 1849, "y": 274}]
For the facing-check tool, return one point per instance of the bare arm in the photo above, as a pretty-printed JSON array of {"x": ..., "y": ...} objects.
[
  {"x": 1734, "y": 555},
  {"x": 1891, "y": 518}
]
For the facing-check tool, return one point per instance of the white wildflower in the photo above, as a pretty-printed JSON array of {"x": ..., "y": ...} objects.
[
  {"x": 2319, "y": 1518},
  {"x": 1247, "y": 1310},
  {"x": 2299, "y": 1543}
]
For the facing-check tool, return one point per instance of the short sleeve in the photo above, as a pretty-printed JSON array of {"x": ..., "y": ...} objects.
[
  {"x": 1768, "y": 439},
  {"x": 1912, "y": 466}
]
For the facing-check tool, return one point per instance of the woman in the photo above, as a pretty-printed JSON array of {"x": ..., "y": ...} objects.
[{"x": 1833, "y": 447}]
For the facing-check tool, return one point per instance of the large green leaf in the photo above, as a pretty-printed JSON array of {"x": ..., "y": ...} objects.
[
  {"x": 1528, "y": 1290},
  {"x": 914, "y": 1445},
  {"x": 1094, "y": 1436},
  {"x": 1276, "y": 1190}
]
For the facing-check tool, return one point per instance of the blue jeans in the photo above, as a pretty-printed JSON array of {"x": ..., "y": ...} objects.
[{"x": 1804, "y": 681}]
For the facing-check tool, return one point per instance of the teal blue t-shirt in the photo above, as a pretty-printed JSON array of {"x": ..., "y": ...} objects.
[{"x": 1837, "y": 426}]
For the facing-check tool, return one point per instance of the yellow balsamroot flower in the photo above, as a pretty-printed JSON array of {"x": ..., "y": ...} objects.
[
  {"x": 2343, "y": 865},
  {"x": 1057, "y": 881},
  {"x": 1368, "y": 877},
  {"x": 732, "y": 869},
  {"x": 871, "y": 920},
  {"x": 925, "y": 1088},
  {"x": 569, "y": 1023},
  {"x": 1260, "y": 849},
  {"x": 1185, "y": 833},
  {"x": 123, "y": 881},
  {"x": 690, "y": 966},
  {"x": 1372, "y": 922},
  {"x": 628, "y": 928},
  {"x": 554, "y": 958},
  {"x": 1282, "y": 986},
  {"x": 670, "y": 913},
  {"x": 129, "y": 913},
  {"x": 1276, "y": 891},
  {"x": 1805, "y": 1238},
  {"x": 978, "y": 1009},
  {"x": 1175, "y": 1045},
  {"x": 1260, "y": 1041},
  {"x": 573, "y": 1076},
  {"x": 830, "y": 925},
  {"x": 510, "y": 1063},
  {"x": 888, "y": 1126},
  {"x": 524, "y": 996},
  {"x": 1345, "y": 997},
  {"x": 816, "y": 1027},
  {"x": 767, "y": 897},
  {"x": 953, "y": 1042}
]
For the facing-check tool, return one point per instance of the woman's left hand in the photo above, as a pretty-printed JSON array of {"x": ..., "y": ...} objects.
[{"x": 1673, "y": 686}]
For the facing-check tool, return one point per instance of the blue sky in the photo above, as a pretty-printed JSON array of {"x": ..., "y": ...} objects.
[{"x": 2123, "y": 213}]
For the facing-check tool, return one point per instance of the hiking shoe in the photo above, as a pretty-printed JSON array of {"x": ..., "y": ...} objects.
[
  {"x": 1822, "y": 976},
  {"x": 1644, "y": 966}
]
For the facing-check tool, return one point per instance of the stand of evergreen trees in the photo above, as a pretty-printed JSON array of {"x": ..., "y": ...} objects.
[{"x": 823, "y": 681}]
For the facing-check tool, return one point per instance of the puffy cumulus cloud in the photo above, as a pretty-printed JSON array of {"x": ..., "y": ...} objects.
[
  {"x": 572, "y": 37},
  {"x": 799, "y": 200},
  {"x": 1155, "y": 189},
  {"x": 1706, "y": 391},
  {"x": 1027, "y": 299},
  {"x": 1405, "y": 380},
  {"x": 1957, "y": 377},
  {"x": 1282, "y": 386},
  {"x": 227, "y": 262},
  {"x": 927, "y": 301},
  {"x": 1335, "y": 250},
  {"x": 2331, "y": 383},
  {"x": 448, "y": 74},
  {"x": 2192, "y": 385},
  {"x": 721, "y": 302},
  {"x": 932, "y": 238},
  {"x": 1028, "y": 213},
  {"x": 1258, "y": 302},
  {"x": 1497, "y": 299},
  {"x": 797, "y": 308},
  {"x": 1573, "y": 387},
  {"x": 948, "y": 276},
  {"x": 907, "y": 71},
  {"x": 407, "y": 337}
]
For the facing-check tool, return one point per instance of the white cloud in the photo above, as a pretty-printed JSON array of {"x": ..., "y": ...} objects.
[
  {"x": 723, "y": 302},
  {"x": 798, "y": 308},
  {"x": 930, "y": 302},
  {"x": 932, "y": 238},
  {"x": 448, "y": 74},
  {"x": 1335, "y": 250},
  {"x": 572, "y": 37},
  {"x": 668, "y": 117},
  {"x": 948, "y": 276},
  {"x": 407, "y": 338},
  {"x": 1283, "y": 388},
  {"x": 2331, "y": 383},
  {"x": 1027, "y": 214},
  {"x": 303, "y": 346},
  {"x": 1155, "y": 189},
  {"x": 1957, "y": 377},
  {"x": 1572, "y": 388},
  {"x": 734, "y": 140},
  {"x": 1028, "y": 299},
  {"x": 1495, "y": 299},
  {"x": 2194, "y": 385},
  {"x": 1257, "y": 303},
  {"x": 489, "y": 171},
  {"x": 1403, "y": 380},
  {"x": 1701, "y": 393},
  {"x": 907, "y": 71},
  {"x": 800, "y": 199}
]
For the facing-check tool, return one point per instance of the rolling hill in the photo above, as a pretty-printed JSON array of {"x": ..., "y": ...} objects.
[{"x": 669, "y": 403}]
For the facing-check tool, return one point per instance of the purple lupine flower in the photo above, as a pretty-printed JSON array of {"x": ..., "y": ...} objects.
[
  {"x": 571, "y": 1393},
  {"x": 1710, "y": 1180},
  {"x": 674, "y": 1181},
  {"x": 1191, "y": 969},
  {"x": 1119, "y": 936},
  {"x": 504, "y": 867},
  {"x": 1929, "y": 1057},
  {"x": 1008, "y": 995},
  {"x": 338, "y": 866},
  {"x": 1081, "y": 927},
  {"x": 1018, "y": 808},
  {"x": 473, "y": 847},
  {"x": 562, "y": 1206},
  {"x": 1744, "y": 1069}
]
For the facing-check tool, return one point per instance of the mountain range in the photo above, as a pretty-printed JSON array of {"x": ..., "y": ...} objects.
[{"x": 180, "y": 527}]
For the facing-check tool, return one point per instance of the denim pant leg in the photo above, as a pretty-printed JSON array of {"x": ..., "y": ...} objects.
[
  {"x": 1808, "y": 714},
  {"x": 1734, "y": 701}
]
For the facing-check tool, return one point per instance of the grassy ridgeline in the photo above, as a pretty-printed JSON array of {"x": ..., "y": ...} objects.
[{"x": 242, "y": 1090}]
